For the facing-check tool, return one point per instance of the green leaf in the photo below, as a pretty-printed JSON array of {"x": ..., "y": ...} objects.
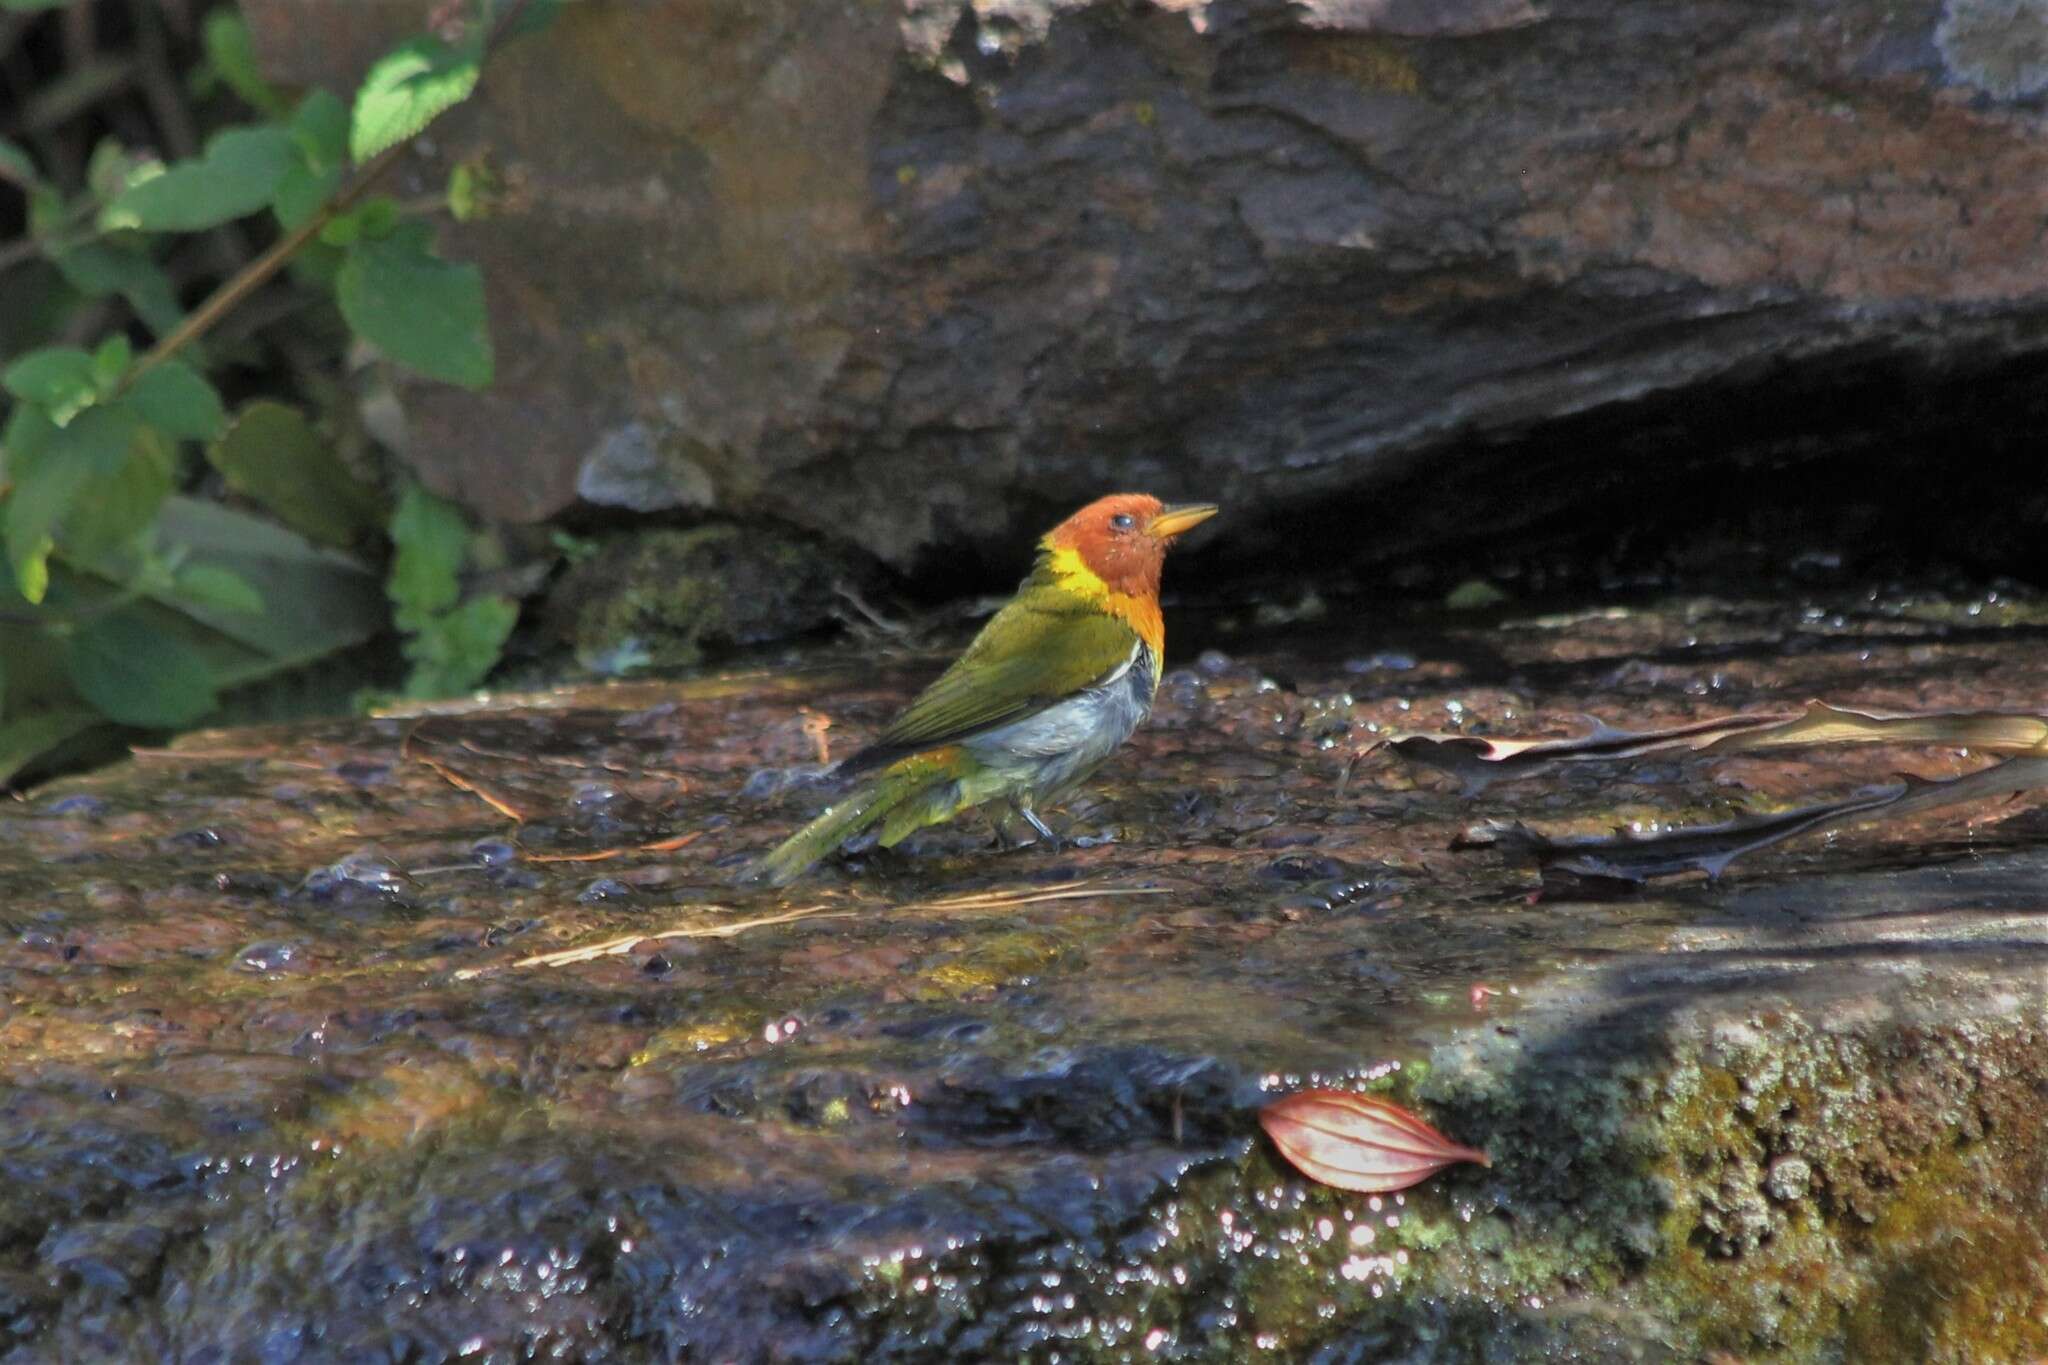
[
  {"x": 137, "y": 674},
  {"x": 319, "y": 132},
  {"x": 344, "y": 229},
  {"x": 38, "y": 500},
  {"x": 24, "y": 6},
  {"x": 301, "y": 193},
  {"x": 456, "y": 650},
  {"x": 232, "y": 57},
  {"x": 421, "y": 311},
  {"x": 409, "y": 88},
  {"x": 28, "y": 433},
  {"x": 112, "y": 168},
  {"x": 51, "y": 477},
  {"x": 110, "y": 362},
  {"x": 96, "y": 269},
  {"x": 237, "y": 176},
  {"x": 378, "y": 216},
  {"x": 176, "y": 400},
  {"x": 59, "y": 378},
  {"x": 208, "y": 585},
  {"x": 431, "y": 536},
  {"x": 466, "y": 193},
  {"x": 91, "y": 485},
  {"x": 272, "y": 456},
  {"x": 15, "y": 164},
  {"x": 26, "y": 738},
  {"x": 116, "y": 507},
  {"x": 336, "y": 601}
]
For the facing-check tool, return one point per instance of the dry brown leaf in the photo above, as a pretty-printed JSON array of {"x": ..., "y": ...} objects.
[
  {"x": 1358, "y": 1143},
  {"x": 1478, "y": 761}
]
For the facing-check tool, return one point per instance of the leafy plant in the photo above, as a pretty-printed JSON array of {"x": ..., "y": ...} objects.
[{"x": 125, "y": 601}]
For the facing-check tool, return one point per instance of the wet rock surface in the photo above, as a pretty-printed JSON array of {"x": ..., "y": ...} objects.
[
  {"x": 285, "y": 1091},
  {"x": 997, "y": 257}
]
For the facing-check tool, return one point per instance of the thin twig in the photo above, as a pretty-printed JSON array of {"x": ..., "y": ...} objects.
[
  {"x": 617, "y": 947},
  {"x": 257, "y": 272},
  {"x": 981, "y": 900},
  {"x": 1004, "y": 900},
  {"x": 253, "y": 276}
]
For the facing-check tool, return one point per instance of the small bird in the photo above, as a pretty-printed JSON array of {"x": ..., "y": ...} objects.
[{"x": 1053, "y": 684}]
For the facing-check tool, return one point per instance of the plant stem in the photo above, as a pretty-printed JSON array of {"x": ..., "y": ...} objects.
[{"x": 252, "y": 276}]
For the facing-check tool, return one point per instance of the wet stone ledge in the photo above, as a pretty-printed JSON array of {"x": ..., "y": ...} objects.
[{"x": 274, "y": 1087}]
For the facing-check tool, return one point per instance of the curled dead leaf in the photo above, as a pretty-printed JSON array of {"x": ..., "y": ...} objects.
[
  {"x": 1479, "y": 761},
  {"x": 1357, "y": 1143}
]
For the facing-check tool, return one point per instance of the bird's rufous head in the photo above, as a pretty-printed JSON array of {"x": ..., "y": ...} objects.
[{"x": 1122, "y": 538}]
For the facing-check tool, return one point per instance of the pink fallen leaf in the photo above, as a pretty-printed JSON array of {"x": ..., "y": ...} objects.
[{"x": 1361, "y": 1144}]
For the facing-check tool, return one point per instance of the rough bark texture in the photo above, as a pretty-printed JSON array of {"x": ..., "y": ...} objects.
[{"x": 922, "y": 273}]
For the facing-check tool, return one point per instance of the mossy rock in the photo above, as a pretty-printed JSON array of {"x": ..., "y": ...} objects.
[{"x": 666, "y": 598}]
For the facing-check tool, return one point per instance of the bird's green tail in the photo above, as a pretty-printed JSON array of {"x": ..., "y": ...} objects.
[{"x": 903, "y": 798}]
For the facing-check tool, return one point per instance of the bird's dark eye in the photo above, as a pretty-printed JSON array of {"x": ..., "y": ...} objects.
[{"x": 1122, "y": 521}]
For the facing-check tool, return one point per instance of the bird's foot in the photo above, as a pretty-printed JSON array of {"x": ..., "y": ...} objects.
[{"x": 1045, "y": 834}]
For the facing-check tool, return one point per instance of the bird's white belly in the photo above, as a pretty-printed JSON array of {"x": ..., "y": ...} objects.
[{"x": 1070, "y": 739}]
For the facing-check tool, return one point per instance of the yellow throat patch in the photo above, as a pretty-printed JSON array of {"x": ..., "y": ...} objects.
[{"x": 1141, "y": 614}]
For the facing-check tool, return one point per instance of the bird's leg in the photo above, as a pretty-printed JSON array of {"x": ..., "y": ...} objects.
[
  {"x": 995, "y": 824},
  {"x": 1023, "y": 807}
]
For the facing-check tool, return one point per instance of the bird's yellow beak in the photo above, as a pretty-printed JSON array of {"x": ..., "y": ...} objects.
[{"x": 1174, "y": 520}]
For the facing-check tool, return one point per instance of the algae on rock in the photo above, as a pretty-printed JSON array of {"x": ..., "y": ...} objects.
[{"x": 665, "y": 598}]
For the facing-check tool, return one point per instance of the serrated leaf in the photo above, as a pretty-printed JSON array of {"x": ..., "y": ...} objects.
[
  {"x": 15, "y": 163},
  {"x": 236, "y": 176},
  {"x": 26, "y": 738},
  {"x": 138, "y": 675},
  {"x": 431, "y": 536},
  {"x": 407, "y": 89},
  {"x": 423, "y": 312},
  {"x": 274, "y": 457},
  {"x": 456, "y": 650},
  {"x": 1355, "y": 1142},
  {"x": 57, "y": 378},
  {"x": 232, "y": 56},
  {"x": 176, "y": 400},
  {"x": 208, "y": 585}
]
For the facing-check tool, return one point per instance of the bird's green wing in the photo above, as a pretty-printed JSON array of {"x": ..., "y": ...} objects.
[{"x": 1040, "y": 649}]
